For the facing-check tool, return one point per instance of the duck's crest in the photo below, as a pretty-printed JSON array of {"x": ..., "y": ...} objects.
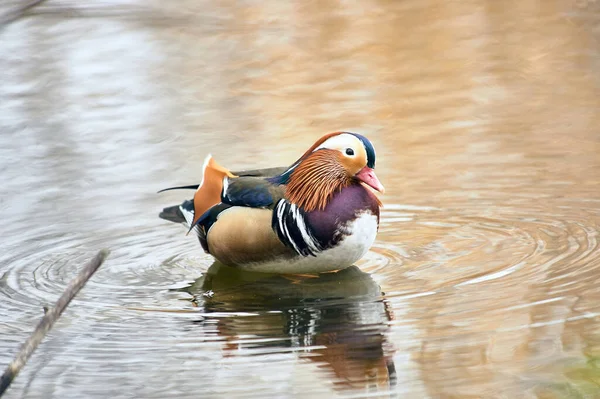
[{"x": 284, "y": 178}]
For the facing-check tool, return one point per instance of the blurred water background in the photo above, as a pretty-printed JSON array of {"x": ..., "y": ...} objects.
[{"x": 484, "y": 281}]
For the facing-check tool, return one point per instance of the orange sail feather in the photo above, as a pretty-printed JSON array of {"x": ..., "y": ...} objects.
[{"x": 209, "y": 192}]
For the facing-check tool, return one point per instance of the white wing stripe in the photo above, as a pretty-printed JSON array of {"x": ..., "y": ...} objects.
[
  {"x": 286, "y": 232},
  {"x": 188, "y": 215},
  {"x": 306, "y": 236},
  {"x": 293, "y": 229},
  {"x": 280, "y": 209}
]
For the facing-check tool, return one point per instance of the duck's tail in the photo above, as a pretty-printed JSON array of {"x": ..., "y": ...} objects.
[{"x": 183, "y": 213}]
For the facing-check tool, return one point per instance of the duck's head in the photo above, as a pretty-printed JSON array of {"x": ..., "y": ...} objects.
[{"x": 335, "y": 161}]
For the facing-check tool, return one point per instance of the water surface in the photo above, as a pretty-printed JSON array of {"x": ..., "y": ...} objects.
[{"x": 484, "y": 281}]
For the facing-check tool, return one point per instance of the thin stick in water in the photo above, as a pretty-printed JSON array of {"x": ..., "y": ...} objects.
[{"x": 49, "y": 319}]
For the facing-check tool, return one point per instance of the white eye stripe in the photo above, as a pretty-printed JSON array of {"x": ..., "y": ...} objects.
[
  {"x": 343, "y": 141},
  {"x": 340, "y": 142}
]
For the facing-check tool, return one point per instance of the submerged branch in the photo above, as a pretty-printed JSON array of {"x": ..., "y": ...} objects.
[{"x": 49, "y": 319}]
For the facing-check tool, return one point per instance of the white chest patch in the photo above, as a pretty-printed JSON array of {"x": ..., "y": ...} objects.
[{"x": 354, "y": 246}]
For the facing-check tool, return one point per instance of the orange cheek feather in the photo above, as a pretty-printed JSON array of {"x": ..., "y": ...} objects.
[{"x": 316, "y": 179}]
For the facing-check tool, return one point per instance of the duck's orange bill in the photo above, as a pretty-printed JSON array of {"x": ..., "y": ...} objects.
[{"x": 367, "y": 176}]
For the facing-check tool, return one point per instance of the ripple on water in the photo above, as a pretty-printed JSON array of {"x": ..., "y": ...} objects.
[
  {"x": 132, "y": 277},
  {"x": 137, "y": 313},
  {"x": 446, "y": 248},
  {"x": 504, "y": 285}
]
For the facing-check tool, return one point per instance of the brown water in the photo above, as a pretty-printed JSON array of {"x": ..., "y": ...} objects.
[{"x": 484, "y": 281}]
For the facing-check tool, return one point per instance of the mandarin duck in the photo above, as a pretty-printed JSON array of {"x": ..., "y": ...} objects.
[{"x": 317, "y": 215}]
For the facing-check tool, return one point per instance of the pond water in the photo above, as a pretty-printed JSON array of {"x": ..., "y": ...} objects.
[{"x": 484, "y": 281}]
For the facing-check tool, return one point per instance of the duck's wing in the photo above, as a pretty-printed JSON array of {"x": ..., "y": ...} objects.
[
  {"x": 254, "y": 188},
  {"x": 246, "y": 193},
  {"x": 252, "y": 192},
  {"x": 250, "y": 188},
  {"x": 265, "y": 173}
]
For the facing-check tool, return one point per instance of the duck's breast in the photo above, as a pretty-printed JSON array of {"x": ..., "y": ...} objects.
[{"x": 352, "y": 211}]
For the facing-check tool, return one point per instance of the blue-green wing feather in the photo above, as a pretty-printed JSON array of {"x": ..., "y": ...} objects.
[{"x": 253, "y": 192}]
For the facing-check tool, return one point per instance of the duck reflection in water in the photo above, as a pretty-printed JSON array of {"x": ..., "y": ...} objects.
[{"x": 343, "y": 315}]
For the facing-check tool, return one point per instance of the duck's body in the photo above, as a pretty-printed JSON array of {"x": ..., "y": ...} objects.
[
  {"x": 314, "y": 216},
  {"x": 246, "y": 238}
]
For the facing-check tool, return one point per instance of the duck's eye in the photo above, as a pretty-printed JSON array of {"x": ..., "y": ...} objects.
[{"x": 349, "y": 151}]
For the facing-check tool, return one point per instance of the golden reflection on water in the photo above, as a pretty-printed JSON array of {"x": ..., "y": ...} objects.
[
  {"x": 337, "y": 320},
  {"x": 485, "y": 119}
]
